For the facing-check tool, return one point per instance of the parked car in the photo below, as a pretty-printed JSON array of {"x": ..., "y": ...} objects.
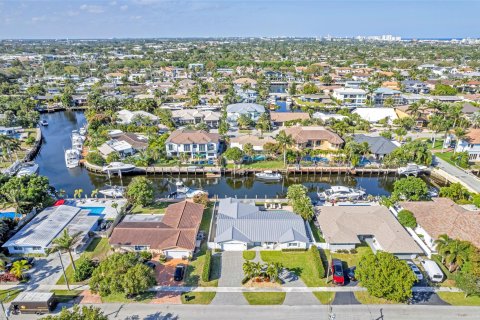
[
  {"x": 150, "y": 264},
  {"x": 433, "y": 270},
  {"x": 179, "y": 272},
  {"x": 337, "y": 272},
  {"x": 351, "y": 273},
  {"x": 415, "y": 270}
]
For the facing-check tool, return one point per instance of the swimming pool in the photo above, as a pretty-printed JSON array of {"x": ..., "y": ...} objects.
[
  {"x": 9, "y": 215},
  {"x": 94, "y": 211}
]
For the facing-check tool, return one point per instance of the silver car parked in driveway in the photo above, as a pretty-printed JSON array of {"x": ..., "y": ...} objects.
[{"x": 415, "y": 270}]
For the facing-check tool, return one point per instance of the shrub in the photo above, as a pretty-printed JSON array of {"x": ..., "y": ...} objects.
[
  {"x": 145, "y": 255},
  {"x": 293, "y": 249},
  {"x": 206, "y": 266},
  {"x": 317, "y": 261},
  {"x": 353, "y": 251},
  {"x": 201, "y": 198},
  {"x": 30, "y": 140},
  {"x": 85, "y": 267},
  {"x": 407, "y": 219},
  {"x": 140, "y": 191},
  {"x": 95, "y": 158},
  {"x": 162, "y": 258}
]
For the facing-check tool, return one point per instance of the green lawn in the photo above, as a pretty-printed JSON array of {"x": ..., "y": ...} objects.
[
  {"x": 268, "y": 164},
  {"x": 145, "y": 297},
  {"x": 249, "y": 255},
  {"x": 301, "y": 103},
  {"x": 97, "y": 249},
  {"x": 365, "y": 298},
  {"x": 437, "y": 146},
  {"x": 206, "y": 218},
  {"x": 9, "y": 295},
  {"x": 193, "y": 275},
  {"x": 350, "y": 259},
  {"x": 198, "y": 297},
  {"x": 316, "y": 232},
  {"x": 298, "y": 262},
  {"x": 264, "y": 298},
  {"x": 156, "y": 208},
  {"x": 64, "y": 296},
  {"x": 458, "y": 299},
  {"x": 324, "y": 297}
]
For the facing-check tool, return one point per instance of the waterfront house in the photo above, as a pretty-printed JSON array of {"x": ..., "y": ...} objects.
[
  {"x": 345, "y": 227},
  {"x": 351, "y": 97},
  {"x": 128, "y": 117},
  {"x": 125, "y": 144},
  {"x": 374, "y": 115},
  {"x": 173, "y": 234},
  {"x": 415, "y": 86},
  {"x": 256, "y": 141},
  {"x": 470, "y": 144},
  {"x": 242, "y": 225},
  {"x": 193, "y": 116},
  {"x": 325, "y": 117},
  {"x": 194, "y": 143},
  {"x": 443, "y": 216},
  {"x": 37, "y": 235},
  {"x": 280, "y": 118},
  {"x": 379, "y": 146},
  {"x": 385, "y": 95},
  {"x": 251, "y": 110},
  {"x": 316, "y": 138},
  {"x": 244, "y": 83}
]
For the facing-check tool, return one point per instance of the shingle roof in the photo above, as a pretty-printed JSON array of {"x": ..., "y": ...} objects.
[
  {"x": 288, "y": 116},
  {"x": 185, "y": 136},
  {"x": 177, "y": 229},
  {"x": 343, "y": 224},
  {"x": 245, "y": 222},
  {"x": 443, "y": 216},
  {"x": 304, "y": 134},
  {"x": 378, "y": 145}
]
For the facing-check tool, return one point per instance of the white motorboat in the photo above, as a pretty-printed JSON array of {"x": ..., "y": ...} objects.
[
  {"x": 289, "y": 101},
  {"x": 185, "y": 192},
  {"x": 114, "y": 192},
  {"x": 27, "y": 169},
  {"x": 268, "y": 175},
  {"x": 341, "y": 193},
  {"x": 44, "y": 122},
  {"x": 72, "y": 158},
  {"x": 412, "y": 169},
  {"x": 83, "y": 130},
  {"x": 118, "y": 167},
  {"x": 181, "y": 188},
  {"x": 77, "y": 140}
]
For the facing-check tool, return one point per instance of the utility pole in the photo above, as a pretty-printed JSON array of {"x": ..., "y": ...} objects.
[{"x": 63, "y": 268}]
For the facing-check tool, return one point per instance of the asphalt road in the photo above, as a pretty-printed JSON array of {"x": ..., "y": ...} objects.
[
  {"x": 198, "y": 312},
  {"x": 472, "y": 181}
]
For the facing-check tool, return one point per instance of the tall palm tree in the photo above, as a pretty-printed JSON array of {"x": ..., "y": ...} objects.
[
  {"x": 458, "y": 253},
  {"x": 3, "y": 261},
  {"x": 460, "y": 134},
  {"x": 19, "y": 267},
  {"x": 273, "y": 269},
  {"x": 285, "y": 141},
  {"x": 442, "y": 245},
  {"x": 8, "y": 145},
  {"x": 66, "y": 243},
  {"x": 78, "y": 193}
]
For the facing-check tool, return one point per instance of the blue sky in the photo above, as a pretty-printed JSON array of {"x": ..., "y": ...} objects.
[{"x": 199, "y": 18}]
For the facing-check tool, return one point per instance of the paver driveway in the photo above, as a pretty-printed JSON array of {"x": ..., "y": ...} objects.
[
  {"x": 164, "y": 274},
  {"x": 231, "y": 275}
]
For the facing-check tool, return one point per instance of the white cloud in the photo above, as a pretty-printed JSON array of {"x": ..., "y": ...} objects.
[
  {"x": 124, "y": 7},
  {"x": 38, "y": 19},
  {"x": 92, "y": 8}
]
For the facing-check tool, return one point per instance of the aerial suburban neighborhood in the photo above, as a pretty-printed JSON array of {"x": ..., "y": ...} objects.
[{"x": 335, "y": 177}]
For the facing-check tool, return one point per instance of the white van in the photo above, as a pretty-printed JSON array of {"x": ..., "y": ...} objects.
[{"x": 433, "y": 270}]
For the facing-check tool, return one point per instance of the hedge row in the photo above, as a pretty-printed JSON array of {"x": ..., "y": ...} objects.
[
  {"x": 317, "y": 261},
  {"x": 206, "y": 266}
]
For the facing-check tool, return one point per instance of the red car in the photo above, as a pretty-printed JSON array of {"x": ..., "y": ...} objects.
[{"x": 337, "y": 272}]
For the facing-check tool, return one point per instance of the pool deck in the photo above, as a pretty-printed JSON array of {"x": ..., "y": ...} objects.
[{"x": 109, "y": 212}]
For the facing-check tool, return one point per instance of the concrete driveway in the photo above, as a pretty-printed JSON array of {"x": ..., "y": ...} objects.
[
  {"x": 290, "y": 279},
  {"x": 231, "y": 275},
  {"x": 47, "y": 270}
]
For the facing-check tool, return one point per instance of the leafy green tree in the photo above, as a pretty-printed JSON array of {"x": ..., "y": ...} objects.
[
  {"x": 468, "y": 283},
  {"x": 66, "y": 243},
  {"x": 296, "y": 191},
  {"x": 77, "y": 313},
  {"x": 456, "y": 192},
  {"x": 407, "y": 219},
  {"x": 244, "y": 121},
  {"x": 385, "y": 276},
  {"x": 410, "y": 189},
  {"x": 414, "y": 151},
  {"x": 27, "y": 192},
  {"x": 248, "y": 149},
  {"x": 310, "y": 88},
  {"x": 95, "y": 158},
  {"x": 8, "y": 145},
  {"x": 138, "y": 279},
  {"x": 443, "y": 90},
  {"x": 140, "y": 191},
  {"x": 84, "y": 269},
  {"x": 304, "y": 208},
  {"x": 234, "y": 154}
]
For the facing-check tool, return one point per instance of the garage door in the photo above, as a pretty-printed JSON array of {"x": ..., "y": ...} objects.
[
  {"x": 176, "y": 254},
  {"x": 234, "y": 246}
]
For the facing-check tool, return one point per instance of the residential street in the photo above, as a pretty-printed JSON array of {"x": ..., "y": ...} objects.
[
  {"x": 472, "y": 181},
  {"x": 199, "y": 312}
]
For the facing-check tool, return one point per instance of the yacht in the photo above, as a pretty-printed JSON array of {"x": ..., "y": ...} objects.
[
  {"x": 181, "y": 188},
  {"x": 27, "y": 169},
  {"x": 83, "y": 130},
  {"x": 185, "y": 192},
  {"x": 341, "y": 193},
  {"x": 113, "y": 191},
  {"x": 118, "y": 167},
  {"x": 268, "y": 175},
  {"x": 44, "y": 122},
  {"x": 77, "y": 140},
  {"x": 412, "y": 169},
  {"x": 72, "y": 158}
]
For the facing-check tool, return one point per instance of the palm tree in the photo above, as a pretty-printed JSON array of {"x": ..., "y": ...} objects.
[
  {"x": 3, "y": 260},
  {"x": 460, "y": 134},
  {"x": 442, "y": 245},
  {"x": 14, "y": 196},
  {"x": 273, "y": 269},
  {"x": 248, "y": 269},
  {"x": 458, "y": 253},
  {"x": 285, "y": 141},
  {"x": 78, "y": 193},
  {"x": 66, "y": 243},
  {"x": 18, "y": 268},
  {"x": 8, "y": 145},
  {"x": 94, "y": 193}
]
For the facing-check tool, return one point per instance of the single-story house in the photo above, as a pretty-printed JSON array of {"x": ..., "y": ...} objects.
[
  {"x": 280, "y": 118},
  {"x": 173, "y": 234},
  {"x": 241, "y": 225},
  {"x": 193, "y": 142},
  {"x": 37, "y": 235},
  {"x": 328, "y": 116},
  {"x": 379, "y": 146},
  {"x": 374, "y": 115},
  {"x": 194, "y": 116},
  {"x": 345, "y": 227},
  {"x": 127, "y": 116},
  {"x": 315, "y": 137},
  {"x": 256, "y": 141},
  {"x": 443, "y": 216}
]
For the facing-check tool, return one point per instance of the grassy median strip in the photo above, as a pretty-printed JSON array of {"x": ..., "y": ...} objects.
[
  {"x": 198, "y": 297},
  {"x": 264, "y": 298},
  {"x": 324, "y": 297},
  {"x": 458, "y": 299}
]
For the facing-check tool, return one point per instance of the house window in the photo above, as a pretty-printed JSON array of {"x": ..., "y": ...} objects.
[
  {"x": 292, "y": 244},
  {"x": 18, "y": 248},
  {"x": 141, "y": 248},
  {"x": 37, "y": 248},
  {"x": 201, "y": 147},
  {"x": 170, "y": 147},
  {"x": 186, "y": 147}
]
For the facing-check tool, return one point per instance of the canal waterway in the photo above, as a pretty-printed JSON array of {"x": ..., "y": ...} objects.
[{"x": 57, "y": 138}]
